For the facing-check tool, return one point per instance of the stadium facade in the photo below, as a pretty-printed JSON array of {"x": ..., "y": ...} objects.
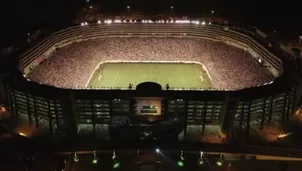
[{"x": 244, "y": 110}]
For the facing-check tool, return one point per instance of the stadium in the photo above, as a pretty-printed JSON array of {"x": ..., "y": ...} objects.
[{"x": 154, "y": 80}]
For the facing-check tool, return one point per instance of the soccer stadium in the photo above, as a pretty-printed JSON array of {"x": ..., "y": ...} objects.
[{"x": 154, "y": 80}]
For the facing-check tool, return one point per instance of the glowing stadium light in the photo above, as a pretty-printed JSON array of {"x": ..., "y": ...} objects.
[
  {"x": 131, "y": 21},
  {"x": 260, "y": 60},
  {"x": 117, "y": 21},
  {"x": 197, "y": 22},
  {"x": 86, "y": 24},
  {"x": 134, "y": 21},
  {"x": 203, "y": 23},
  {"x": 183, "y": 21},
  {"x": 124, "y": 21},
  {"x": 99, "y": 22},
  {"x": 108, "y": 21},
  {"x": 157, "y": 150},
  {"x": 210, "y": 23},
  {"x": 82, "y": 24}
]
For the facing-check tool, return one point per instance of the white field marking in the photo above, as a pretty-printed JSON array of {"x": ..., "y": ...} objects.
[
  {"x": 96, "y": 67},
  {"x": 201, "y": 77},
  {"x": 99, "y": 77}
]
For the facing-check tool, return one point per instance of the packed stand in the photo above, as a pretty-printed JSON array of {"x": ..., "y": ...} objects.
[{"x": 229, "y": 67}]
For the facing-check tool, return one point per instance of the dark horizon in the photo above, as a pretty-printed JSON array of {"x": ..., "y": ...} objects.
[{"x": 25, "y": 16}]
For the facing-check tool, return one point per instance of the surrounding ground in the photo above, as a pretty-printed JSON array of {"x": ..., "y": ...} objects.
[{"x": 189, "y": 76}]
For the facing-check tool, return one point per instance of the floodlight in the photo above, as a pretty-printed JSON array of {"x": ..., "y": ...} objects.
[{"x": 157, "y": 150}]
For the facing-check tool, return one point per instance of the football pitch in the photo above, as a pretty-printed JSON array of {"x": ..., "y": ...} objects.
[{"x": 177, "y": 75}]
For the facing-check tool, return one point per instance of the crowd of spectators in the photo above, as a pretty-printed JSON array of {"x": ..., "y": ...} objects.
[{"x": 229, "y": 67}]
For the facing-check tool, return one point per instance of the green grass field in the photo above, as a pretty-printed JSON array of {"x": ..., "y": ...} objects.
[{"x": 175, "y": 74}]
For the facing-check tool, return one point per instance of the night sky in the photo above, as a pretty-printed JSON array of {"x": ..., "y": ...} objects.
[{"x": 20, "y": 16}]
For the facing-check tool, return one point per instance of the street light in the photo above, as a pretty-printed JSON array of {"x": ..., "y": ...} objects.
[
  {"x": 95, "y": 158},
  {"x": 113, "y": 154},
  {"x": 219, "y": 162},
  {"x": 75, "y": 157}
]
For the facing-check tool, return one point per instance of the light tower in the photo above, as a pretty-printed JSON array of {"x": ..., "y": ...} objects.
[
  {"x": 128, "y": 8},
  {"x": 172, "y": 7}
]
